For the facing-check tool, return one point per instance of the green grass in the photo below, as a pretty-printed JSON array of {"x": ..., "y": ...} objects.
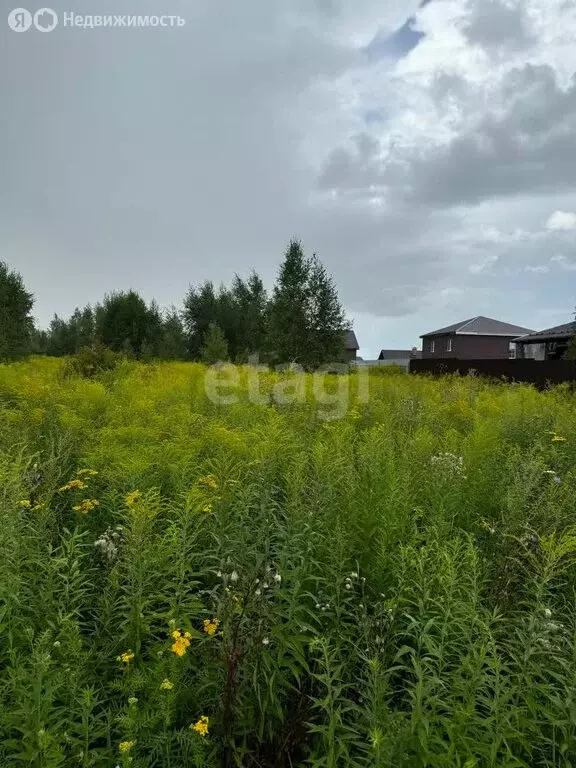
[{"x": 379, "y": 603}]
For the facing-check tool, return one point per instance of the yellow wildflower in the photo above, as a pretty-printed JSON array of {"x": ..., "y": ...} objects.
[
  {"x": 132, "y": 499},
  {"x": 201, "y": 727},
  {"x": 210, "y": 627},
  {"x": 24, "y": 504},
  {"x": 126, "y": 746},
  {"x": 86, "y": 473},
  {"x": 207, "y": 508},
  {"x": 558, "y": 439},
  {"x": 126, "y": 658},
  {"x": 71, "y": 485},
  {"x": 181, "y": 643},
  {"x": 86, "y": 506},
  {"x": 209, "y": 482},
  {"x": 37, "y": 507},
  {"x": 166, "y": 685}
]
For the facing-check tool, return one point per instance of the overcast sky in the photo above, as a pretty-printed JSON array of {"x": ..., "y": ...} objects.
[{"x": 427, "y": 154}]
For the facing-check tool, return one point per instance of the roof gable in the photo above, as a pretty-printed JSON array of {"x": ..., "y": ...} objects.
[
  {"x": 481, "y": 326},
  {"x": 351, "y": 340}
]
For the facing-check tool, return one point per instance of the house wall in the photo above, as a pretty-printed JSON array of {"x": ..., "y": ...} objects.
[
  {"x": 350, "y": 354},
  {"x": 468, "y": 347}
]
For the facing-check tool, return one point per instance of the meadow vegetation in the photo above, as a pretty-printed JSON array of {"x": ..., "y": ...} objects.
[{"x": 186, "y": 583}]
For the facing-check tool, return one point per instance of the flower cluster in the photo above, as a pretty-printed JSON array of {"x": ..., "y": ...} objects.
[
  {"x": 86, "y": 473},
  {"x": 132, "y": 499},
  {"x": 86, "y": 506},
  {"x": 556, "y": 438},
  {"x": 181, "y": 642},
  {"x": 322, "y": 603},
  {"x": 271, "y": 579},
  {"x": 211, "y": 627},
  {"x": 449, "y": 465},
  {"x": 166, "y": 685},
  {"x": 208, "y": 482},
  {"x": 126, "y": 746},
  {"x": 80, "y": 481},
  {"x": 73, "y": 485},
  {"x": 351, "y": 580},
  {"x": 201, "y": 726},
  {"x": 547, "y": 629},
  {"x": 126, "y": 657},
  {"x": 109, "y": 543},
  {"x": 27, "y": 504}
]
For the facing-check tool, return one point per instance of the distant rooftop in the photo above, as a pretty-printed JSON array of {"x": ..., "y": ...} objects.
[
  {"x": 351, "y": 340},
  {"x": 399, "y": 354},
  {"x": 550, "y": 334},
  {"x": 481, "y": 326}
]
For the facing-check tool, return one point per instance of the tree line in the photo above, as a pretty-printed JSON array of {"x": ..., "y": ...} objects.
[{"x": 301, "y": 321}]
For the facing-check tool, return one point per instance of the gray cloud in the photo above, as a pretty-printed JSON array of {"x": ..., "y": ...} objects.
[
  {"x": 498, "y": 26},
  {"x": 528, "y": 149}
]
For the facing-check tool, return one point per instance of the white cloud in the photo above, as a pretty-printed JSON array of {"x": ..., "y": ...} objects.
[
  {"x": 563, "y": 220},
  {"x": 484, "y": 265},
  {"x": 538, "y": 270},
  {"x": 565, "y": 264}
]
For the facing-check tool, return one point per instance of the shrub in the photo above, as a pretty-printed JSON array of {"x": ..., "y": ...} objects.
[{"x": 92, "y": 361}]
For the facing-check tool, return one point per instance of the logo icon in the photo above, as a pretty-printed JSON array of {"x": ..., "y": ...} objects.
[
  {"x": 45, "y": 20},
  {"x": 19, "y": 20}
]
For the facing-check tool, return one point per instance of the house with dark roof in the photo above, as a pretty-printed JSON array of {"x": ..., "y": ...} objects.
[
  {"x": 550, "y": 344},
  {"x": 351, "y": 345},
  {"x": 480, "y": 338}
]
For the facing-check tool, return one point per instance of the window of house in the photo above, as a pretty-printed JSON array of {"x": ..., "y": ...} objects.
[
  {"x": 449, "y": 345},
  {"x": 432, "y": 346}
]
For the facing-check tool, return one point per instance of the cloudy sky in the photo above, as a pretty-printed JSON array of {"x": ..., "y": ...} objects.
[{"x": 426, "y": 152}]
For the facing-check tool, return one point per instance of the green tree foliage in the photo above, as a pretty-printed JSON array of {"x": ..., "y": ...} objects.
[
  {"x": 328, "y": 324},
  {"x": 239, "y": 312},
  {"x": 250, "y": 307},
  {"x": 67, "y": 337},
  {"x": 289, "y": 315},
  {"x": 215, "y": 346},
  {"x": 307, "y": 324},
  {"x": 173, "y": 344},
  {"x": 16, "y": 323},
  {"x": 200, "y": 311},
  {"x": 303, "y": 321},
  {"x": 126, "y": 324}
]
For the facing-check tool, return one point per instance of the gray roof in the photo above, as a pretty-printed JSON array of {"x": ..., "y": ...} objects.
[
  {"x": 351, "y": 340},
  {"x": 565, "y": 331},
  {"x": 480, "y": 326},
  {"x": 398, "y": 354}
]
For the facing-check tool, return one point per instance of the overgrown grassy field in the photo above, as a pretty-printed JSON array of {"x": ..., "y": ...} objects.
[{"x": 187, "y": 583}]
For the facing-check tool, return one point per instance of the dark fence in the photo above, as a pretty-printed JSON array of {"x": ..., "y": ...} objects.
[{"x": 539, "y": 372}]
